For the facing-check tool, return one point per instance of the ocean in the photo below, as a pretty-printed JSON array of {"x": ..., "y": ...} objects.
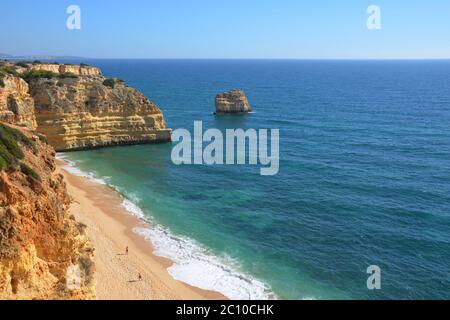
[{"x": 364, "y": 178}]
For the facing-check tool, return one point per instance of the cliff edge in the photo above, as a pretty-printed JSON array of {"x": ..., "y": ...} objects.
[
  {"x": 44, "y": 252},
  {"x": 76, "y": 107}
]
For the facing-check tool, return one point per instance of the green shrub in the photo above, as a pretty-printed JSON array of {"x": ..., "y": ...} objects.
[
  {"x": 9, "y": 137},
  {"x": 37, "y": 62},
  {"x": 19, "y": 136},
  {"x": 22, "y": 64},
  {"x": 8, "y": 141},
  {"x": 84, "y": 65},
  {"x": 29, "y": 171},
  {"x": 2, "y": 84},
  {"x": 68, "y": 75},
  {"x": 42, "y": 138},
  {"x": 3, "y": 164},
  {"x": 10, "y": 151},
  {"x": 109, "y": 82},
  {"x": 37, "y": 74},
  {"x": 7, "y": 70},
  {"x": 7, "y": 159},
  {"x": 44, "y": 74}
]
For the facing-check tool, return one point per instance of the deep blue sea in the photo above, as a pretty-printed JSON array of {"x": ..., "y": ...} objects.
[{"x": 364, "y": 178}]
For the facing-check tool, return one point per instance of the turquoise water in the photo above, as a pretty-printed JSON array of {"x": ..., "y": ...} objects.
[{"x": 364, "y": 177}]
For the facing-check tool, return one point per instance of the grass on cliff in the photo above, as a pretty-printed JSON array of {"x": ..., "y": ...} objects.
[
  {"x": 10, "y": 151},
  {"x": 110, "y": 82},
  {"x": 44, "y": 74},
  {"x": 42, "y": 137},
  {"x": 38, "y": 74},
  {"x": 22, "y": 64},
  {"x": 29, "y": 172},
  {"x": 68, "y": 75},
  {"x": 4, "y": 70},
  {"x": 7, "y": 69}
]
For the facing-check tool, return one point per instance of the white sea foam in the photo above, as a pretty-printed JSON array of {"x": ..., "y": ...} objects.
[
  {"x": 133, "y": 209},
  {"x": 192, "y": 263},
  {"x": 72, "y": 168},
  {"x": 195, "y": 265}
]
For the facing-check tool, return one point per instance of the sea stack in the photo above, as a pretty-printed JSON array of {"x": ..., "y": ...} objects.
[{"x": 233, "y": 101}]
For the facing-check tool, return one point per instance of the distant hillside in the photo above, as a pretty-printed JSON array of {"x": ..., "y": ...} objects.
[
  {"x": 13, "y": 57},
  {"x": 5, "y": 56}
]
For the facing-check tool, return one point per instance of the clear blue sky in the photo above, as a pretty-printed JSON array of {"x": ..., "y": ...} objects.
[{"x": 227, "y": 29}]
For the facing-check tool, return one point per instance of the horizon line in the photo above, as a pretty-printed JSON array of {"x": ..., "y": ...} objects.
[{"x": 49, "y": 57}]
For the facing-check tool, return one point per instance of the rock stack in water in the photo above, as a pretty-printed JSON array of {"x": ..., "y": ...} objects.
[{"x": 233, "y": 101}]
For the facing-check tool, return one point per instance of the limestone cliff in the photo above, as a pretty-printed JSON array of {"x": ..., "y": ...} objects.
[
  {"x": 76, "y": 107},
  {"x": 65, "y": 68},
  {"x": 233, "y": 101},
  {"x": 16, "y": 105},
  {"x": 44, "y": 252}
]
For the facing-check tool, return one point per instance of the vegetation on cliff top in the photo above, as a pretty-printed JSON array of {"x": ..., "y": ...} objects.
[
  {"x": 22, "y": 64},
  {"x": 4, "y": 70},
  {"x": 9, "y": 68},
  {"x": 44, "y": 74}
]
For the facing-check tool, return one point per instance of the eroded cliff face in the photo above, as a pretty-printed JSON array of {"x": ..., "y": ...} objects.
[
  {"x": 77, "y": 113},
  {"x": 44, "y": 252},
  {"x": 76, "y": 107},
  {"x": 16, "y": 105},
  {"x": 65, "y": 68}
]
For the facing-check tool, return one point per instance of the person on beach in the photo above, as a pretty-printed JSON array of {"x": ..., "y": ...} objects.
[
  {"x": 126, "y": 250},
  {"x": 139, "y": 276}
]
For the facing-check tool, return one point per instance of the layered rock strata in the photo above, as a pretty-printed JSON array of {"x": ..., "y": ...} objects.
[
  {"x": 233, "y": 101},
  {"x": 76, "y": 107},
  {"x": 44, "y": 252}
]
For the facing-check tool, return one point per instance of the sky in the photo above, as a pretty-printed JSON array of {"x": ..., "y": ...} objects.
[{"x": 247, "y": 29}]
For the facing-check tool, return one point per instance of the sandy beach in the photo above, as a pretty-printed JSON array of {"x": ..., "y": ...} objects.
[{"x": 109, "y": 227}]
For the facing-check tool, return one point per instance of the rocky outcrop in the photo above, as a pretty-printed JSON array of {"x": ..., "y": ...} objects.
[
  {"x": 79, "y": 113},
  {"x": 44, "y": 252},
  {"x": 233, "y": 101},
  {"x": 77, "y": 108},
  {"x": 16, "y": 105},
  {"x": 68, "y": 68}
]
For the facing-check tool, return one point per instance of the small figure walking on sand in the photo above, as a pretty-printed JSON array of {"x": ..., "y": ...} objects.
[
  {"x": 139, "y": 276},
  {"x": 126, "y": 250}
]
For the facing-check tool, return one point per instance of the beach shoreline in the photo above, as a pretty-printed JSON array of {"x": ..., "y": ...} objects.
[{"x": 110, "y": 228}]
